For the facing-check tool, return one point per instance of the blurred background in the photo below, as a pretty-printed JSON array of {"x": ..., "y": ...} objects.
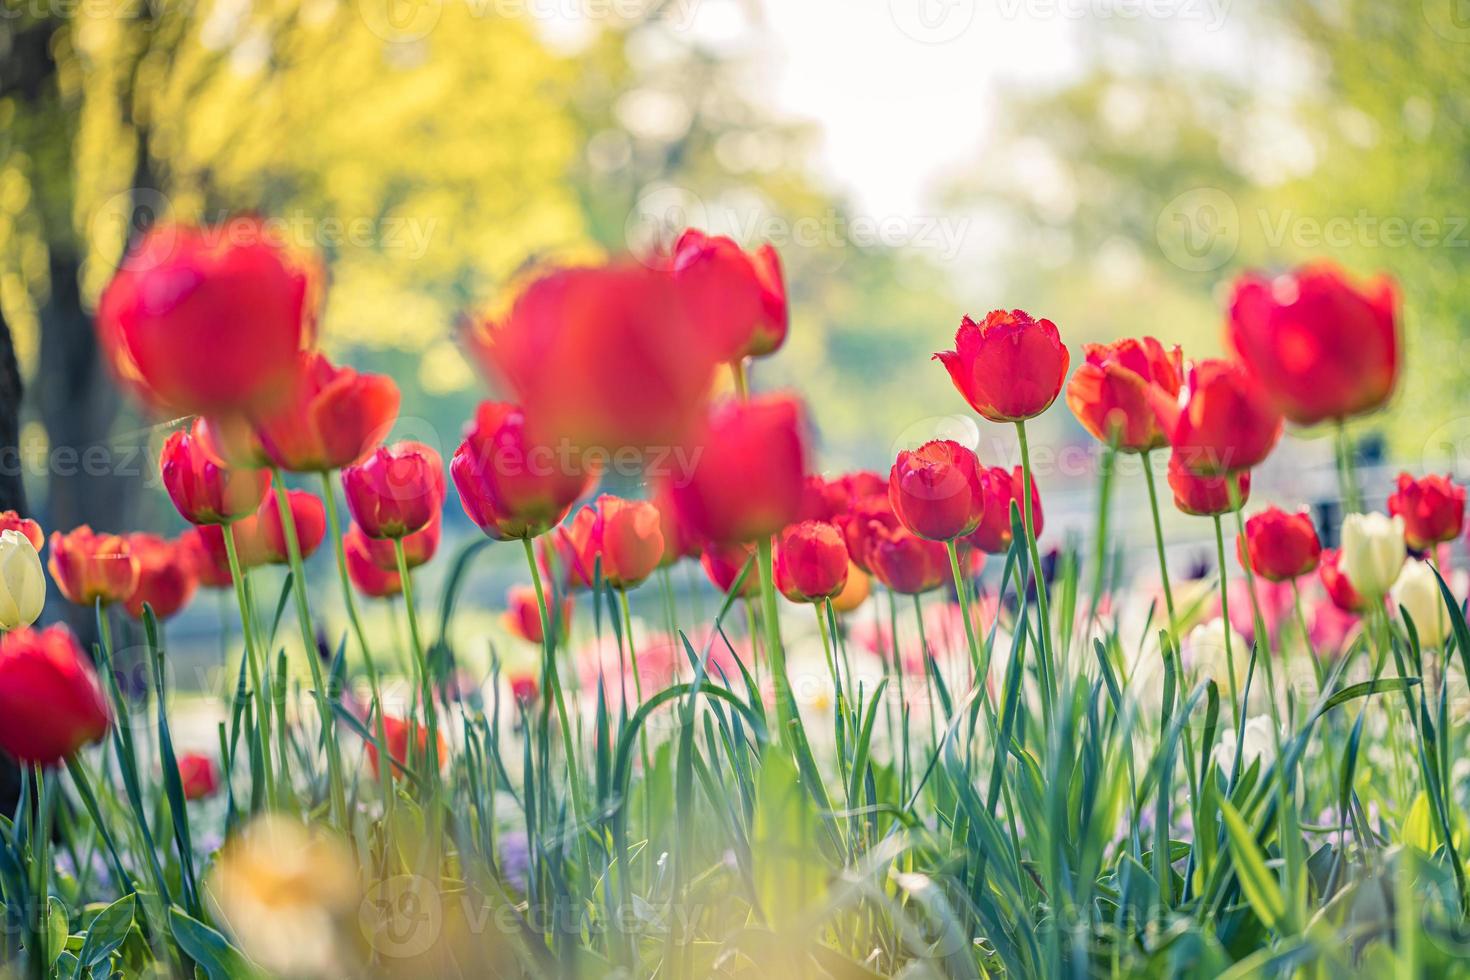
[{"x": 1109, "y": 164}]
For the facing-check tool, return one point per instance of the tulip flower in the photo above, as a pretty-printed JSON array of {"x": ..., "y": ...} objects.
[
  {"x": 1433, "y": 509},
  {"x": 1212, "y": 648},
  {"x": 1332, "y": 629},
  {"x": 1206, "y": 496},
  {"x": 855, "y": 592},
  {"x": 11, "y": 521},
  {"x": 366, "y": 576},
  {"x": 397, "y": 734},
  {"x": 628, "y": 540},
  {"x": 859, "y": 526},
  {"x": 568, "y": 554},
  {"x": 811, "y": 562},
  {"x": 418, "y": 548},
  {"x": 308, "y": 516},
  {"x": 821, "y": 500},
  {"x": 1280, "y": 546},
  {"x": 1339, "y": 589},
  {"x": 907, "y": 563},
  {"x": 1258, "y": 746},
  {"x": 680, "y": 541},
  {"x": 50, "y": 701},
  {"x": 936, "y": 490},
  {"x": 333, "y": 417},
  {"x": 523, "y": 614},
  {"x": 993, "y": 534},
  {"x": 510, "y": 485},
  {"x": 724, "y": 563},
  {"x": 1222, "y": 422},
  {"x": 22, "y": 583},
  {"x": 524, "y": 687},
  {"x": 739, "y": 297},
  {"x": 199, "y": 776},
  {"x": 231, "y": 441},
  {"x": 1010, "y": 367},
  {"x": 1416, "y": 590},
  {"x": 610, "y": 357},
  {"x": 166, "y": 576},
  {"x": 88, "y": 566},
  {"x": 749, "y": 471},
  {"x": 203, "y": 550},
  {"x": 1322, "y": 347},
  {"x": 203, "y": 490},
  {"x": 396, "y": 491},
  {"x": 196, "y": 322},
  {"x": 1111, "y": 392},
  {"x": 1372, "y": 552}
]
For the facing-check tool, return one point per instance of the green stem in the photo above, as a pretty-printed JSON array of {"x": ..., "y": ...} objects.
[
  {"x": 426, "y": 679},
  {"x": 1028, "y": 490},
  {"x": 252, "y": 656},
  {"x": 552, "y": 675},
  {"x": 1346, "y": 472},
  {"x": 334, "y": 530},
  {"x": 1100, "y": 559},
  {"x": 1153, "y": 503},
  {"x": 1225, "y": 616}
]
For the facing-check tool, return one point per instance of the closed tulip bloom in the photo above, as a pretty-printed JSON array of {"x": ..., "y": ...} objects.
[
  {"x": 1322, "y": 346},
  {"x": 1280, "y": 546},
  {"x": 724, "y": 563},
  {"x": 512, "y": 486},
  {"x": 1002, "y": 487},
  {"x": 1206, "y": 496},
  {"x": 366, "y": 576},
  {"x": 860, "y": 525},
  {"x": 523, "y": 614},
  {"x": 680, "y": 541},
  {"x": 199, "y": 776},
  {"x": 333, "y": 417},
  {"x": 750, "y": 471},
  {"x": 396, "y": 491},
  {"x": 1010, "y": 367},
  {"x": 166, "y": 579},
  {"x": 1433, "y": 509},
  {"x": 936, "y": 490},
  {"x": 738, "y": 296},
  {"x": 418, "y": 547},
  {"x": 203, "y": 490},
  {"x": 203, "y": 548},
  {"x": 11, "y": 521},
  {"x": 568, "y": 554},
  {"x": 308, "y": 517},
  {"x": 811, "y": 562},
  {"x": 1221, "y": 422},
  {"x": 1417, "y": 591},
  {"x": 1335, "y": 582},
  {"x": 196, "y": 322},
  {"x": 1373, "y": 552},
  {"x": 22, "y": 583},
  {"x": 827, "y": 500},
  {"x": 397, "y": 735},
  {"x": 854, "y": 592},
  {"x": 629, "y": 540},
  {"x": 50, "y": 702},
  {"x": 907, "y": 563},
  {"x": 88, "y": 566},
  {"x": 1109, "y": 393}
]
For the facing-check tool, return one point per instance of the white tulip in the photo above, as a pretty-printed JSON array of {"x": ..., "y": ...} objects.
[
  {"x": 22, "y": 583},
  {"x": 1259, "y": 743},
  {"x": 1204, "y": 651},
  {"x": 1372, "y": 552},
  {"x": 1417, "y": 591}
]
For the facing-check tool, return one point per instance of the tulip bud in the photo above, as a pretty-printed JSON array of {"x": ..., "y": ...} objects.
[
  {"x": 203, "y": 490},
  {"x": 198, "y": 775},
  {"x": 22, "y": 583},
  {"x": 87, "y": 566},
  {"x": 907, "y": 563},
  {"x": 396, "y": 491},
  {"x": 1280, "y": 546},
  {"x": 1336, "y": 583},
  {"x": 418, "y": 548},
  {"x": 308, "y": 517},
  {"x": 1010, "y": 367},
  {"x": 859, "y": 524},
  {"x": 811, "y": 562},
  {"x": 523, "y": 614},
  {"x": 166, "y": 578},
  {"x": 397, "y": 734},
  {"x": 50, "y": 701},
  {"x": 568, "y": 553},
  {"x": 1433, "y": 509},
  {"x": 365, "y": 574},
  {"x": 1372, "y": 552},
  {"x": 1205, "y": 651},
  {"x": 1221, "y": 422},
  {"x": 739, "y": 297},
  {"x": 1259, "y": 745},
  {"x": 1206, "y": 496},
  {"x": 628, "y": 540},
  {"x": 936, "y": 490},
  {"x": 1417, "y": 592},
  {"x": 1002, "y": 487},
  {"x": 11, "y": 521},
  {"x": 724, "y": 563},
  {"x": 1110, "y": 393},
  {"x": 333, "y": 417}
]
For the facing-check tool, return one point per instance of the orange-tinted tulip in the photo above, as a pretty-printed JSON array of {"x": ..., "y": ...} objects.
[
  {"x": 206, "y": 321},
  {"x": 1433, "y": 509},
  {"x": 307, "y": 516},
  {"x": 510, "y": 485},
  {"x": 205, "y": 554},
  {"x": 366, "y": 576},
  {"x": 396, "y": 491},
  {"x": 1109, "y": 393},
  {"x": 936, "y": 490},
  {"x": 855, "y": 592},
  {"x": 333, "y": 417},
  {"x": 1280, "y": 546},
  {"x": 199, "y": 776},
  {"x": 11, "y": 521},
  {"x": 1222, "y": 421},
  {"x": 523, "y": 616},
  {"x": 628, "y": 540},
  {"x": 1339, "y": 589},
  {"x": 88, "y": 566},
  {"x": 749, "y": 472},
  {"x": 203, "y": 490},
  {"x": 1322, "y": 347},
  {"x": 811, "y": 562},
  {"x": 50, "y": 701},
  {"x": 1206, "y": 496},
  {"x": 1010, "y": 367},
  {"x": 166, "y": 578},
  {"x": 724, "y": 563},
  {"x": 418, "y": 548},
  {"x": 738, "y": 296},
  {"x": 1002, "y": 486},
  {"x": 568, "y": 554},
  {"x": 396, "y": 734},
  {"x": 907, "y": 563}
]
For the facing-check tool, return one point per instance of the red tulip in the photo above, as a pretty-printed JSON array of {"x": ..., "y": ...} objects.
[
  {"x": 859, "y": 526},
  {"x": 936, "y": 490},
  {"x": 396, "y": 491},
  {"x": 512, "y": 486},
  {"x": 1109, "y": 393},
  {"x": 365, "y": 574},
  {"x": 51, "y": 703},
  {"x": 230, "y": 440},
  {"x": 524, "y": 687},
  {"x": 568, "y": 554},
  {"x": 628, "y": 540},
  {"x": 202, "y": 322},
  {"x": 1009, "y": 368},
  {"x": 11, "y": 521},
  {"x": 724, "y": 563},
  {"x": 88, "y": 566},
  {"x": 748, "y": 472},
  {"x": 1002, "y": 486},
  {"x": 396, "y": 735},
  {"x": 740, "y": 297},
  {"x": 1433, "y": 509},
  {"x": 811, "y": 562},
  {"x": 679, "y": 540},
  {"x": 198, "y": 775},
  {"x": 203, "y": 490},
  {"x": 523, "y": 614},
  {"x": 166, "y": 579},
  {"x": 1335, "y": 581},
  {"x": 418, "y": 547},
  {"x": 1280, "y": 546},
  {"x": 1222, "y": 421},
  {"x": 307, "y": 516},
  {"x": 607, "y": 357},
  {"x": 907, "y": 563},
  {"x": 203, "y": 549},
  {"x": 333, "y": 417},
  {"x": 1206, "y": 496},
  {"x": 1322, "y": 347}
]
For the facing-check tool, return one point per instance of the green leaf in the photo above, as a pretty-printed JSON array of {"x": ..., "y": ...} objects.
[
  {"x": 1256, "y": 880},
  {"x": 56, "y": 928},
  {"x": 107, "y": 932},
  {"x": 206, "y": 947},
  {"x": 789, "y": 877}
]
